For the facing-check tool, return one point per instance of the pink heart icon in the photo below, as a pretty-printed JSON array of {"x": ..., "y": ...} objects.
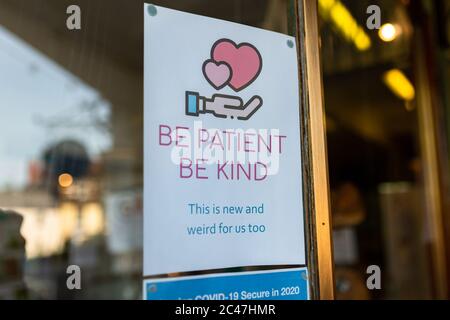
[
  {"x": 217, "y": 74},
  {"x": 244, "y": 60}
]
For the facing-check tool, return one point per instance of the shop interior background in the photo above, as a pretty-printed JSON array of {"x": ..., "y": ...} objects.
[{"x": 71, "y": 146}]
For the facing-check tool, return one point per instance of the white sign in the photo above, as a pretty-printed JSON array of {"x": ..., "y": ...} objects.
[
  {"x": 124, "y": 219},
  {"x": 223, "y": 182}
]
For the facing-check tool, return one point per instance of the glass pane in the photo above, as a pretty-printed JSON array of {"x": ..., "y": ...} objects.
[
  {"x": 374, "y": 91},
  {"x": 71, "y": 156}
]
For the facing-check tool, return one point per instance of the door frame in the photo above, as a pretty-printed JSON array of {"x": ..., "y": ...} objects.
[{"x": 315, "y": 163}]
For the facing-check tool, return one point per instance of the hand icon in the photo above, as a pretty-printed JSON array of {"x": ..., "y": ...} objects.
[{"x": 222, "y": 106}]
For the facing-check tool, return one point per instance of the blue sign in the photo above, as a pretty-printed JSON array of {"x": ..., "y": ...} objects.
[{"x": 285, "y": 284}]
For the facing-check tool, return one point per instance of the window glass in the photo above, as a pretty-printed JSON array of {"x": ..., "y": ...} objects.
[{"x": 71, "y": 152}]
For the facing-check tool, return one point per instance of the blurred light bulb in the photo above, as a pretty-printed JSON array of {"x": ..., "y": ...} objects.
[
  {"x": 399, "y": 84},
  {"x": 65, "y": 180},
  {"x": 387, "y": 32}
]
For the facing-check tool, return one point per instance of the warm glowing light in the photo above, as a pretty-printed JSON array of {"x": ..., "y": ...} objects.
[
  {"x": 344, "y": 22},
  {"x": 42, "y": 231},
  {"x": 362, "y": 41},
  {"x": 387, "y": 32},
  {"x": 65, "y": 180},
  {"x": 92, "y": 220},
  {"x": 326, "y": 4},
  {"x": 68, "y": 212},
  {"x": 399, "y": 84},
  {"x": 47, "y": 230}
]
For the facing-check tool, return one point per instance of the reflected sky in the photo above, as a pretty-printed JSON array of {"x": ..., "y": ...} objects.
[{"x": 40, "y": 104}]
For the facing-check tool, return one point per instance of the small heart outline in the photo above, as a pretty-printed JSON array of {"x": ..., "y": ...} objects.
[{"x": 217, "y": 64}]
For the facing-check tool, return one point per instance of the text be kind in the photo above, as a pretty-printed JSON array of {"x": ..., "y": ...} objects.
[{"x": 232, "y": 154}]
